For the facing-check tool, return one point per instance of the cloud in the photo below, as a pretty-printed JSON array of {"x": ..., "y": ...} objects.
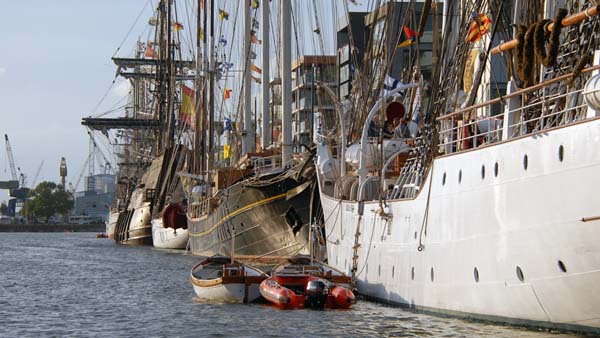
[{"x": 2, "y": 70}]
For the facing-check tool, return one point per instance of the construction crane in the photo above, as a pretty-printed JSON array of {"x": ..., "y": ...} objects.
[
  {"x": 63, "y": 172},
  {"x": 37, "y": 175},
  {"x": 11, "y": 159}
]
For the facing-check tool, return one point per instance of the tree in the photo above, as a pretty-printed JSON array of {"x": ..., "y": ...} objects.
[
  {"x": 4, "y": 208},
  {"x": 48, "y": 199}
]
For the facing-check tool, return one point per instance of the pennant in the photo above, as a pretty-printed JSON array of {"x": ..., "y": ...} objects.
[
  {"x": 390, "y": 84},
  {"x": 252, "y": 55},
  {"x": 201, "y": 34},
  {"x": 254, "y": 39},
  {"x": 223, "y": 41},
  {"x": 480, "y": 25},
  {"x": 226, "y": 65},
  {"x": 150, "y": 53},
  {"x": 177, "y": 26},
  {"x": 256, "y": 79},
  {"x": 223, "y": 15},
  {"x": 202, "y": 5},
  {"x": 410, "y": 37},
  {"x": 226, "y": 151},
  {"x": 255, "y": 24},
  {"x": 226, "y": 93},
  {"x": 255, "y": 69},
  {"x": 187, "y": 111},
  {"x": 227, "y": 125},
  {"x": 254, "y": 4}
]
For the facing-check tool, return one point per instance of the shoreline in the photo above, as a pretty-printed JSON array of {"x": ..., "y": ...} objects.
[{"x": 52, "y": 228}]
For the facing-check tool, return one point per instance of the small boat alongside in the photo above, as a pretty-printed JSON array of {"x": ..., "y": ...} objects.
[
  {"x": 223, "y": 280},
  {"x": 170, "y": 230},
  {"x": 305, "y": 283}
]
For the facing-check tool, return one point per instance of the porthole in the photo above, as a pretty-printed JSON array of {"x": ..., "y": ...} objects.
[
  {"x": 242, "y": 224},
  {"x": 431, "y": 274},
  {"x": 561, "y": 153},
  {"x": 444, "y": 179},
  {"x": 482, "y": 171},
  {"x": 525, "y": 162},
  {"x": 520, "y": 275},
  {"x": 476, "y": 275},
  {"x": 412, "y": 273},
  {"x": 562, "y": 266},
  {"x": 459, "y": 176},
  {"x": 496, "y": 169},
  {"x": 393, "y": 270}
]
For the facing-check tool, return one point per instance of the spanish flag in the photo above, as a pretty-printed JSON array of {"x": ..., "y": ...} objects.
[
  {"x": 410, "y": 37},
  {"x": 226, "y": 93},
  {"x": 480, "y": 25},
  {"x": 187, "y": 111},
  {"x": 177, "y": 26},
  {"x": 255, "y": 69}
]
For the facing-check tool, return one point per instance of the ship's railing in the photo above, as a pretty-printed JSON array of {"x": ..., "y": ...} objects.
[
  {"x": 199, "y": 208},
  {"x": 265, "y": 164},
  {"x": 553, "y": 103}
]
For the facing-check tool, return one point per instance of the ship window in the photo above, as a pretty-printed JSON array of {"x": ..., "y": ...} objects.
[
  {"x": 476, "y": 275},
  {"x": 412, "y": 273},
  {"x": 520, "y": 274},
  {"x": 379, "y": 270},
  {"x": 482, "y": 171},
  {"x": 431, "y": 273},
  {"x": 496, "y": 169},
  {"x": 561, "y": 153},
  {"x": 459, "y": 176},
  {"x": 241, "y": 224},
  {"x": 562, "y": 266},
  {"x": 393, "y": 270},
  {"x": 525, "y": 162},
  {"x": 415, "y": 235},
  {"x": 444, "y": 179}
]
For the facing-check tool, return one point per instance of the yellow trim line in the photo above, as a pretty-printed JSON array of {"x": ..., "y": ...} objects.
[{"x": 235, "y": 213}]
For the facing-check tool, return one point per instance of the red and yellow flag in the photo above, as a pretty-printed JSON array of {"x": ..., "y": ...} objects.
[
  {"x": 150, "y": 53},
  {"x": 177, "y": 26},
  {"x": 480, "y": 25},
  {"x": 187, "y": 111},
  {"x": 255, "y": 69},
  {"x": 226, "y": 93}
]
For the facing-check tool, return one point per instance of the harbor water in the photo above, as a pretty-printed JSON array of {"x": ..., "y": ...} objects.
[{"x": 73, "y": 284}]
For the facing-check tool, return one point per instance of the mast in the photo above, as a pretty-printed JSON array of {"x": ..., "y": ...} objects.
[
  {"x": 286, "y": 83},
  {"x": 211, "y": 97},
  {"x": 199, "y": 104},
  {"x": 247, "y": 141},
  {"x": 265, "y": 137}
]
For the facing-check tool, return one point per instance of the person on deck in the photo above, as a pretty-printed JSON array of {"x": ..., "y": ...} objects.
[
  {"x": 402, "y": 130},
  {"x": 374, "y": 126},
  {"x": 388, "y": 130}
]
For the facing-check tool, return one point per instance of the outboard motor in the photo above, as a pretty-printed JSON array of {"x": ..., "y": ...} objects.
[{"x": 316, "y": 293}]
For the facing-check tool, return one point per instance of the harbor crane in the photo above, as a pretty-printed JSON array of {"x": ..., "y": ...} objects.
[{"x": 16, "y": 187}]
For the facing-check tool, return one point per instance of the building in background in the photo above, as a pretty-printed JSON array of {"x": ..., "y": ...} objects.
[
  {"x": 307, "y": 71},
  {"x": 95, "y": 201},
  {"x": 351, "y": 44}
]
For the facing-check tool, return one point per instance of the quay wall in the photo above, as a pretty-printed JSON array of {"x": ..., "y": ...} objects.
[{"x": 52, "y": 228}]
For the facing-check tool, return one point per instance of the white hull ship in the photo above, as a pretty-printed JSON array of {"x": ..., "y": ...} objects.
[
  {"x": 168, "y": 238},
  {"x": 505, "y": 231}
]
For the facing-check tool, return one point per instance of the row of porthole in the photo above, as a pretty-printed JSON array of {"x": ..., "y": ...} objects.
[
  {"x": 561, "y": 151},
  {"x": 518, "y": 270}
]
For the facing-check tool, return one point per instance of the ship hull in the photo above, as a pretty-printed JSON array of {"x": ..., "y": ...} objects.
[
  {"x": 168, "y": 238},
  {"x": 509, "y": 245},
  {"x": 269, "y": 221},
  {"x": 133, "y": 226}
]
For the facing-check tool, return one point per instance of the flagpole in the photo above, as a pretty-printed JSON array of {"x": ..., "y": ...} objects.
[{"x": 286, "y": 83}]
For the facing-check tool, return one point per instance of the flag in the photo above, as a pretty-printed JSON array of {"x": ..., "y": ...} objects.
[
  {"x": 187, "y": 111},
  {"x": 150, "y": 53},
  {"x": 255, "y": 69},
  {"x": 255, "y": 24},
  {"x": 254, "y": 39},
  {"x": 177, "y": 26},
  {"x": 480, "y": 25},
  {"x": 227, "y": 65},
  {"x": 390, "y": 84},
  {"x": 226, "y": 93},
  {"x": 252, "y": 55},
  {"x": 227, "y": 125},
  {"x": 223, "y": 41},
  {"x": 201, "y": 34},
  {"x": 254, "y": 4},
  {"x": 410, "y": 37},
  {"x": 226, "y": 151},
  {"x": 256, "y": 79},
  {"x": 223, "y": 15}
]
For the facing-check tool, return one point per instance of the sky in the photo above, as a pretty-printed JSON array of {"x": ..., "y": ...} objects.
[{"x": 55, "y": 66}]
